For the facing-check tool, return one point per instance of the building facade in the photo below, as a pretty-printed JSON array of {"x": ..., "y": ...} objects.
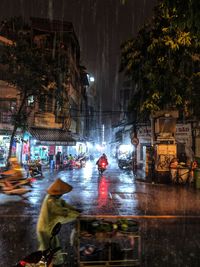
[{"x": 57, "y": 118}]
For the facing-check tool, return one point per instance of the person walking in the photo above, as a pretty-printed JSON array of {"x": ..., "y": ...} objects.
[
  {"x": 58, "y": 160},
  {"x": 51, "y": 162},
  {"x": 54, "y": 209}
]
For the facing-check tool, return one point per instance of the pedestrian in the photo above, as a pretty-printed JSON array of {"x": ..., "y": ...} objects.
[
  {"x": 51, "y": 162},
  {"x": 58, "y": 160},
  {"x": 54, "y": 209}
]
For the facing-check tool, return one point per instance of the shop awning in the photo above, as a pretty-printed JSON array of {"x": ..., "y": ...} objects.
[{"x": 46, "y": 136}]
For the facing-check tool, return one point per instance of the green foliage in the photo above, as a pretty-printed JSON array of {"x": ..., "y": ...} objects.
[
  {"x": 163, "y": 60},
  {"x": 31, "y": 69}
]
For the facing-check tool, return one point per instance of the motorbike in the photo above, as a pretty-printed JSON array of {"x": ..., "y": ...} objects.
[
  {"x": 79, "y": 163},
  {"x": 35, "y": 169},
  {"x": 68, "y": 164},
  {"x": 41, "y": 258},
  {"x": 14, "y": 183},
  {"x": 125, "y": 163},
  {"x": 102, "y": 167},
  {"x": 16, "y": 187}
]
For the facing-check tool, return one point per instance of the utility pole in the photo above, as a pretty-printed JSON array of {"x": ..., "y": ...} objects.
[
  {"x": 135, "y": 142},
  {"x": 103, "y": 134}
]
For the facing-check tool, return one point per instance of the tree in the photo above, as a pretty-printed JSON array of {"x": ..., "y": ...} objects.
[
  {"x": 39, "y": 67},
  {"x": 32, "y": 70},
  {"x": 163, "y": 61}
]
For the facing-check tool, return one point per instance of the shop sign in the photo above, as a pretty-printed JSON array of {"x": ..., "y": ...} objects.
[
  {"x": 26, "y": 148},
  {"x": 144, "y": 131},
  {"x": 56, "y": 143},
  {"x": 184, "y": 134},
  {"x": 6, "y": 138},
  {"x": 135, "y": 141},
  {"x": 6, "y": 128},
  {"x": 182, "y": 130},
  {"x": 166, "y": 149},
  {"x": 51, "y": 150}
]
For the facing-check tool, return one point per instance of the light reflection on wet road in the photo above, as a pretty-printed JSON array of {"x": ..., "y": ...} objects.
[{"x": 116, "y": 193}]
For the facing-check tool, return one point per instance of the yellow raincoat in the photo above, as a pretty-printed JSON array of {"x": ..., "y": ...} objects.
[{"x": 53, "y": 210}]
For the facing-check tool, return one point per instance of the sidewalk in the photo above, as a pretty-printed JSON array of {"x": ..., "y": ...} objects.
[{"x": 180, "y": 200}]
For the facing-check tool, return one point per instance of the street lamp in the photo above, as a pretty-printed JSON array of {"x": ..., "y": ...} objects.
[{"x": 91, "y": 79}]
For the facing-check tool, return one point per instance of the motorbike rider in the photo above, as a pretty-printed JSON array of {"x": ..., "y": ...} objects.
[
  {"x": 102, "y": 159},
  {"x": 15, "y": 171},
  {"x": 54, "y": 209},
  {"x": 35, "y": 167}
]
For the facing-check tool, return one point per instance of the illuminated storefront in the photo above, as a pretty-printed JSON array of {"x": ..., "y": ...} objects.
[{"x": 4, "y": 147}]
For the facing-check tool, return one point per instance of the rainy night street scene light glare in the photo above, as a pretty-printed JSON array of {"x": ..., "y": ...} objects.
[{"x": 99, "y": 133}]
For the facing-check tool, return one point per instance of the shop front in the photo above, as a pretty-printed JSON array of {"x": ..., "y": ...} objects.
[
  {"x": 183, "y": 138},
  {"x": 46, "y": 143},
  {"x": 17, "y": 146},
  {"x": 4, "y": 147}
]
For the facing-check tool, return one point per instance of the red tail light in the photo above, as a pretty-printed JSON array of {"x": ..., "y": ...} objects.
[
  {"x": 32, "y": 180},
  {"x": 103, "y": 164},
  {"x": 22, "y": 263}
]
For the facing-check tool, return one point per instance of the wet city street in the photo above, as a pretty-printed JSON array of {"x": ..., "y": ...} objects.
[
  {"x": 168, "y": 216},
  {"x": 99, "y": 107}
]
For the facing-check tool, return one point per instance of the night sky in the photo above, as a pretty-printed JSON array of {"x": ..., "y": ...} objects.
[{"x": 100, "y": 25}]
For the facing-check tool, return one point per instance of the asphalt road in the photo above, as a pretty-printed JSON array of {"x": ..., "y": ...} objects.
[{"x": 168, "y": 216}]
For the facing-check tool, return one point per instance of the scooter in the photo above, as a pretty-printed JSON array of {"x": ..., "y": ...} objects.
[
  {"x": 125, "y": 163},
  {"x": 41, "y": 258}
]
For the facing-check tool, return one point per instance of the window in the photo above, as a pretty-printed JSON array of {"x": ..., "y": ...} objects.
[
  {"x": 7, "y": 104},
  {"x": 49, "y": 103},
  {"x": 6, "y": 117},
  {"x": 42, "y": 103},
  {"x": 30, "y": 101},
  {"x": 46, "y": 103}
]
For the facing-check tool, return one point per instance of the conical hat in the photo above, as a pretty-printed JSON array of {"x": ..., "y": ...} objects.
[
  {"x": 13, "y": 159},
  {"x": 59, "y": 188}
]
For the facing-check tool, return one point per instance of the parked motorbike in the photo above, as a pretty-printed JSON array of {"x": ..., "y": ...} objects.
[
  {"x": 41, "y": 258},
  {"x": 68, "y": 164},
  {"x": 82, "y": 160},
  {"x": 79, "y": 163},
  {"x": 35, "y": 169},
  {"x": 125, "y": 163}
]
